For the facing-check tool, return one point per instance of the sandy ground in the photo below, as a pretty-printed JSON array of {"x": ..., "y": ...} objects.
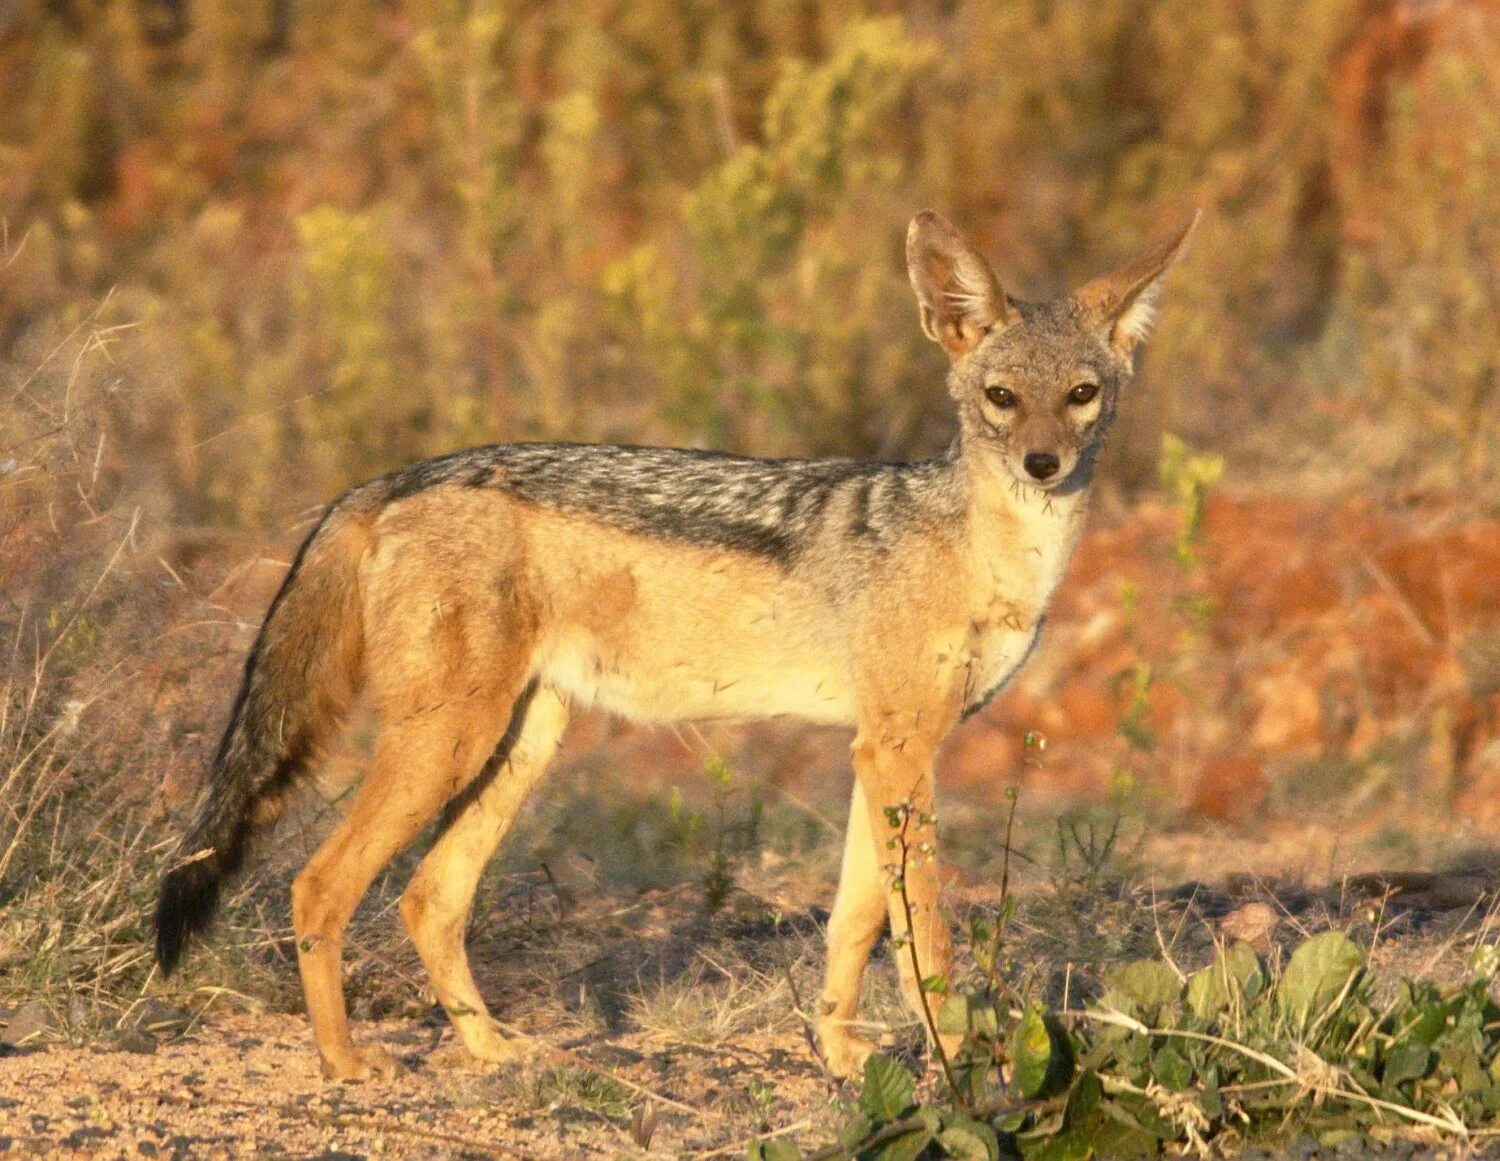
[
  {"x": 697, "y": 1032},
  {"x": 248, "y": 1084}
]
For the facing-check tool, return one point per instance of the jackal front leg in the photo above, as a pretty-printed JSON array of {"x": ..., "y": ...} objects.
[
  {"x": 895, "y": 780},
  {"x": 859, "y": 912}
]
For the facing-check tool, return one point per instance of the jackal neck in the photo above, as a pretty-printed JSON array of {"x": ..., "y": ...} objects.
[{"x": 1020, "y": 538}]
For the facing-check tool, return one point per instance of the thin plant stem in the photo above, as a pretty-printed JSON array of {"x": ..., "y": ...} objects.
[{"x": 916, "y": 963}]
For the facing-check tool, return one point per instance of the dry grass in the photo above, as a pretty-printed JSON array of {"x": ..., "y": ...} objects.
[
  {"x": 712, "y": 1003},
  {"x": 658, "y": 223},
  {"x": 595, "y": 929}
]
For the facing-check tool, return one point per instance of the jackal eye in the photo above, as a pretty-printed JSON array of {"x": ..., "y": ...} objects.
[
  {"x": 1002, "y": 397},
  {"x": 1083, "y": 393}
]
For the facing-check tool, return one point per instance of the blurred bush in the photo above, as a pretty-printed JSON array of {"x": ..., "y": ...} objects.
[{"x": 351, "y": 234}]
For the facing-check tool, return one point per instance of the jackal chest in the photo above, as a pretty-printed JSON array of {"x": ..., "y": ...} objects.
[
  {"x": 1012, "y": 588},
  {"x": 994, "y": 653}
]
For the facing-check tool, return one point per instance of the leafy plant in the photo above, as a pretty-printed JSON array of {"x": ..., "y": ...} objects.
[
  {"x": 1187, "y": 478},
  {"x": 1232, "y": 1053},
  {"x": 718, "y": 834},
  {"x": 729, "y": 839}
]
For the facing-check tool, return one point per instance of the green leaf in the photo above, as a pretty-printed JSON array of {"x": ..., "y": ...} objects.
[
  {"x": 971, "y": 1069},
  {"x": 1471, "y": 1078},
  {"x": 1083, "y": 1100},
  {"x": 888, "y": 1092},
  {"x": 1364, "y": 1078},
  {"x": 1171, "y": 1070},
  {"x": 984, "y": 1020},
  {"x": 856, "y": 1130},
  {"x": 1407, "y": 1061},
  {"x": 1317, "y": 972},
  {"x": 1132, "y": 1053},
  {"x": 952, "y": 1017},
  {"x": 966, "y": 1014},
  {"x": 1138, "y": 1112},
  {"x": 1077, "y": 1145},
  {"x": 1209, "y": 1099},
  {"x": 908, "y": 1146},
  {"x": 778, "y": 1149},
  {"x": 970, "y": 1140},
  {"x": 1235, "y": 975},
  {"x": 1142, "y": 989},
  {"x": 1429, "y": 1024},
  {"x": 1031, "y": 1053},
  {"x": 1041, "y": 1055},
  {"x": 1114, "y": 1134}
]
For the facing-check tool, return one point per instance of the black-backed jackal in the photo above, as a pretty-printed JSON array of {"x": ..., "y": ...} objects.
[{"x": 475, "y": 598}]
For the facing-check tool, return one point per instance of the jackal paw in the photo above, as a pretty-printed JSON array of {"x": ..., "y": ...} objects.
[
  {"x": 845, "y": 1052},
  {"x": 490, "y": 1047},
  {"x": 357, "y": 1064}
]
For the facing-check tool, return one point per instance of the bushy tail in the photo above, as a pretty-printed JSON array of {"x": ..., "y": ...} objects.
[{"x": 302, "y": 673}]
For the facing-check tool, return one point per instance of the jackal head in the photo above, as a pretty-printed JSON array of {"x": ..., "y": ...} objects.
[{"x": 1036, "y": 382}]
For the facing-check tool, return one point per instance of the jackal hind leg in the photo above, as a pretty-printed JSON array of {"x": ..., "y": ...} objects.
[
  {"x": 895, "y": 768},
  {"x": 436, "y": 904},
  {"x": 859, "y": 916},
  {"x": 422, "y": 759}
]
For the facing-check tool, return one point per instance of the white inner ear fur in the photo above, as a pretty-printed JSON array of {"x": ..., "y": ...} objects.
[
  {"x": 971, "y": 294},
  {"x": 1136, "y": 320}
]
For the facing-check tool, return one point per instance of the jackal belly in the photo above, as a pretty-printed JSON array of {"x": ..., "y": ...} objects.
[
  {"x": 677, "y": 685},
  {"x": 669, "y": 633}
]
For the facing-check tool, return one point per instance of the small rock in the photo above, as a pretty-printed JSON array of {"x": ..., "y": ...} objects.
[
  {"x": 159, "y": 1018},
  {"x": 1254, "y": 923},
  {"x": 135, "y": 1040},
  {"x": 32, "y": 1024}
]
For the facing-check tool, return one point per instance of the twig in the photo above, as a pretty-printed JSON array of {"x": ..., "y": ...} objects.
[
  {"x": 390, "y": 965},
  {"x": 992, "y": 964},
  {"x": 808, "y": 809},
  {"x": 1014, "y": 794},
  {"x": 1398, "y": 598},
  {"x": 249, "y": 419},
  {"x": 808, "y": 1032},
  {"x": 563, "y": 1056},
  {"x": 1285, "y": 1071},
  {"x": 739, "y": 1147},
  {"x": 1120, "y": 1020},
  {"x": 916, "y": 963}
]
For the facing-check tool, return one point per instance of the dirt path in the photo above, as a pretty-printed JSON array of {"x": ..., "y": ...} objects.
[
  {"x": 651, "y": 1009},
  {"x": 244, "y": 1085}
]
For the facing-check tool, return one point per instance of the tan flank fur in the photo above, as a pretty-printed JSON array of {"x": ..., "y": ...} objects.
[{"x": 477, "y": 598}]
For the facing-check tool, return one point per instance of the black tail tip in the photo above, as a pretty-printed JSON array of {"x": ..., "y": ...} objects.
[{"x": 189, "y": 897}]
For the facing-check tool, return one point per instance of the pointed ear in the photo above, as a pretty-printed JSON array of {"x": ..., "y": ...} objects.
[
  {"x": 1125, "y": 298},
  {"x": 956, "y": 290}
]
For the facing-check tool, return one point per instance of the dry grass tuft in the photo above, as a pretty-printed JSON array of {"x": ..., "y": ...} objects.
[{"x": 712, "y": 1003}]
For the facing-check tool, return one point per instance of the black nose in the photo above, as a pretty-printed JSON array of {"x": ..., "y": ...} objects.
[{"x": 1041, "y": 465}]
